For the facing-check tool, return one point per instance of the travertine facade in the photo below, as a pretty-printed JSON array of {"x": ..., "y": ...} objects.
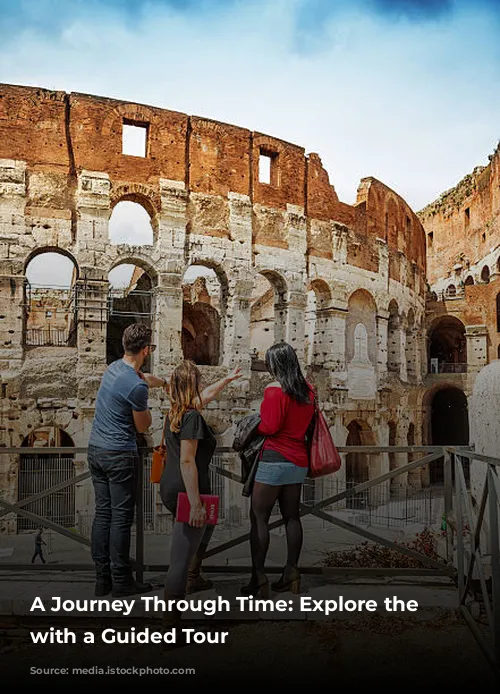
[
  {"x": 463, "y": 255},
  {"x": 62, "y": 172}
]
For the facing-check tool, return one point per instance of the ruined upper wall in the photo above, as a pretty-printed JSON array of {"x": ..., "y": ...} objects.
[
  {"x": 59, "y": 135},
  {"x": 462, "y": 226}
]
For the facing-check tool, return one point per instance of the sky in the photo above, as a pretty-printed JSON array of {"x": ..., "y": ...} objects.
[{"x": 407, "y": 91}]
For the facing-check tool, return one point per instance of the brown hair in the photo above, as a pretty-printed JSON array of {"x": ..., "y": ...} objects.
[
  {"x": 184, "y": 392},
  {"x": 135, "y": 337}
]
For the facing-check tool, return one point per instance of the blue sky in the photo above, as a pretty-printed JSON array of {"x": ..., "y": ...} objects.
[{"x": 404, "y": 90}]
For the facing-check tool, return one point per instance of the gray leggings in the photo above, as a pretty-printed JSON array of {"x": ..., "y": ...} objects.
[{"x": 187, "y": 542}]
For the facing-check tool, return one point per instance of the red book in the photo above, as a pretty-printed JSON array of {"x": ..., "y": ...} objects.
[{"x": 209, "y": 501}]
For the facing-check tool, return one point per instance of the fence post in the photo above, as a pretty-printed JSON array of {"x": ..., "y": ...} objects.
[
  {"x": 448, "y": 503},
  {"x": 139, "y": 519},
  {"x": 495, "y": 559}
]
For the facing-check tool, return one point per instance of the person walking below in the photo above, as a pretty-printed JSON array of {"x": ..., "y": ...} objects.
[
  {"x": 121, "y": 412},
  {"x": 190, "y": 446},
  {"x": 38, "y": 546},
  {"x": 286, "y": 414}
]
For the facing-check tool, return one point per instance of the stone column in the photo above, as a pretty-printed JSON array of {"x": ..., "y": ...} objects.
[
  {"x": 382, "y": 336},
  {"x": 12, "y": 233},
  {"x": 335, "y": 343},
  {"x": 403, "y": 372},
  {"x": 93, "y": 211},
  {"x": 477, "y": 346},
  {"x": 295, "y": 325},
  {"x": 237, "y": 328},
  {"x": 167, "y": 336}
]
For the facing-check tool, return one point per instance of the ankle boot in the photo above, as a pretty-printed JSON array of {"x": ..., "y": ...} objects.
[
  {"x": 196, "y": 582},
  {"x": 258, "y": 586},
  {"x": 289, "y": 581},
  {"x": 172, "y": 620}
]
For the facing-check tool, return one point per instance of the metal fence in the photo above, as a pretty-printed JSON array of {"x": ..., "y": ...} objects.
[
  {"x": 472, "y": 533},
  {"x": 49, "y": 337}
]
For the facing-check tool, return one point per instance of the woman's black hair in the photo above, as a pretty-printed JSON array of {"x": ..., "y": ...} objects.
[{"x": 283, "y": 365}]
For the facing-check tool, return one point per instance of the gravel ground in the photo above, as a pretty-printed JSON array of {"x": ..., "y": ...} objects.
[{"x": 377, "y": 649}]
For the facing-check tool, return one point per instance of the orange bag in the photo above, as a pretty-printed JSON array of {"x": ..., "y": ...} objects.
[{"x": 159, "y": 458}]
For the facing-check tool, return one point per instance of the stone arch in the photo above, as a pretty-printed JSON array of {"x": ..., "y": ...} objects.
[
  {"x": 469, "y": 281},
  {"x": 447, "y": 345},
  {"x": 268, "y": 313},
  {"x": 204, "y": 311},
  {"x": 52, "y": 249},
  {"x": 451, "y": 291},
  {"x": 361, "y": 308},
  {"x": 40, "y": 470},
  {"x": 317, "y": 323},
  {"x": 49, "y": 301},
  {"x": 485, "y": 274},
  {"x": 130, "y": 299},
  {"x": 448, "y": 423},
  {"x": 143, "y": 195},
  {"x": 358, "y": 465}
]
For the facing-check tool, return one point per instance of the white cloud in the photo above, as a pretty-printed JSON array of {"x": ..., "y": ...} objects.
[{"x": 416, "y": 105}]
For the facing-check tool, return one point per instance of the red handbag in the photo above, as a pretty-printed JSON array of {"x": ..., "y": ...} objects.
[{"x": 324, "y": 457}]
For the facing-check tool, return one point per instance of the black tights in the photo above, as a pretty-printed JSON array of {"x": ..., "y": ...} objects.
[{"x": 264, "y": 497}]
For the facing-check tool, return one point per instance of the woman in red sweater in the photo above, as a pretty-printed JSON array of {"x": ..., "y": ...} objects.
[{"x": 286, "y": 414}]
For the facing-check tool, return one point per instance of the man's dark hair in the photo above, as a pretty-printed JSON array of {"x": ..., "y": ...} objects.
[{"x": 136, "y": 337}]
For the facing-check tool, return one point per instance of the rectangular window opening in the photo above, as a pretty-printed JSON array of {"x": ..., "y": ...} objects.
[
  {"x": 134, "y": 138},
  {"x": 268, "y": 168},
  {"x": 430, "y": 237},
  {"x": 467, "y": 216}
]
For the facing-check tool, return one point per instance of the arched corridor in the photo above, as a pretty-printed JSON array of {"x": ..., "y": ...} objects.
[
  {"x": 449, "y": 426},
  {"x": 447, "y": 346},
  {"x": 41, "y": 470}
]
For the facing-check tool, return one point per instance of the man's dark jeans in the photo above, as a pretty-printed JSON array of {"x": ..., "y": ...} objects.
[{"x": 114, "y": 475}]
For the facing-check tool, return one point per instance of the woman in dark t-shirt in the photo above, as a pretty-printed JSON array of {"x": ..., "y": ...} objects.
[{"x": 190, "y": 446}]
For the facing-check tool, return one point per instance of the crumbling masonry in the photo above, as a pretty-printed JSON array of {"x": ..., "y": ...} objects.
[{"x": 63, "y": 171}]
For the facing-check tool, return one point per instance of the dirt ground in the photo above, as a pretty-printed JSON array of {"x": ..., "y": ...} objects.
[{"x": 390, "y": 651}]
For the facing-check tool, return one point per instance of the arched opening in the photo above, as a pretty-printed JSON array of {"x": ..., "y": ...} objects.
[
  {"x": 393, "y": 339},
  {"x": 358, "y": 464},
  {"x": 469, "y": 281},
  {"x": 451, "y": 291},
  {"x": 39, "y": 471},
  {"x": 130, "y": 223},
  {"x": 130, "y": 301},
  {"x": 318, "y": 344},
  {"x": 447, "y": 346},
  {"x": 49, "y": 300},
  {"x": 485, "y": 274},
  {"x": 362, "y": 309},
  {"x": 267, "y": 315},
  {"x": 203, "y": 313},
  {"x": 498, "y": 312},
  {"x": 449, "y": 426}
]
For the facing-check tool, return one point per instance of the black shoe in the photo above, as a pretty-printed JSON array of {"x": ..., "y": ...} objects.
[
  {"x": 258, "y": 586},
  {"x": 130, "y": 588},
  {"x": 102, "y": 588},
  {"x": 289, "y": 581}
]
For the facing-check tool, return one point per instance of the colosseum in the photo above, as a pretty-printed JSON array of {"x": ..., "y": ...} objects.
[{"x": 242, "y": 242}]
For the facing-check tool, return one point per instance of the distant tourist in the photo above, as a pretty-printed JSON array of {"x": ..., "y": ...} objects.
[
  {"x": 38, "y": 546},
  {"x": 121, "y": 412},
  {"x": 286, "y": 414},
  {"x": 190, "y": 446}
]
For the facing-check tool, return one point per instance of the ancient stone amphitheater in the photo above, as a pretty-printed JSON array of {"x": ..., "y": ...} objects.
[{"x": 245, "y": 243}]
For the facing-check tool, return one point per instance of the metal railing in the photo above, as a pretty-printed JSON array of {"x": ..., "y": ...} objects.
[
  {"x": 49, "y": 337},
  {"x": 446, "y": 367},
  {"x": 471, "y": 535}
]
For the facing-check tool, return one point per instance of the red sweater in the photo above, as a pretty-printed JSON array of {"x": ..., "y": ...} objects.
[{"x": 285, "y": 422}]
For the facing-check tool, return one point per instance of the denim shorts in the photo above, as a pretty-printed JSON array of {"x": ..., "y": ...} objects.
[{"x": 277, "y": 474}]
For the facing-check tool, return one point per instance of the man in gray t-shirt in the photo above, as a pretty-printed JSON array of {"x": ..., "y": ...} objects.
[{"x": 121, "y": 412}]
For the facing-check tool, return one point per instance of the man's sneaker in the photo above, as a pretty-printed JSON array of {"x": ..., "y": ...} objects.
[
  {"x": 102, "y": 588},
  {"x": 120, "y": 590}
]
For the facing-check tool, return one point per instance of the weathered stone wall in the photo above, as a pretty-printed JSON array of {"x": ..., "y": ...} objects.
[{"x": 62, "y": 171}]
